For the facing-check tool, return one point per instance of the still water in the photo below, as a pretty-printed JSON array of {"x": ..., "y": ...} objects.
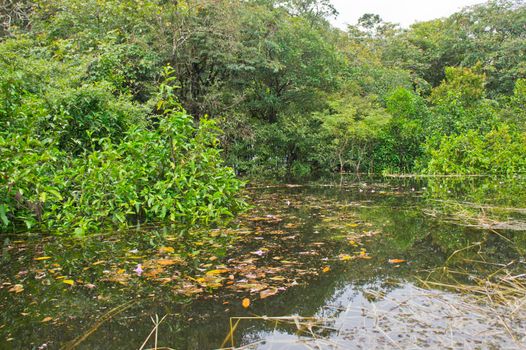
[{"x": 352, "y": 263}]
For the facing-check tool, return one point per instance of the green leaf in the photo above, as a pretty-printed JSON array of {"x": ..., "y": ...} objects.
[{"x": 3, "y": 215}]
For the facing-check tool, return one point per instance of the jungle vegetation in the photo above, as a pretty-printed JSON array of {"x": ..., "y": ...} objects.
[{"x": 114, "y": 111}]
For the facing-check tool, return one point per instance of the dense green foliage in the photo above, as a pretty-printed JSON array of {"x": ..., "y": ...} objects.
[
  {"x": 90, "y": 134},
  {"x": 79, "y": 153}
]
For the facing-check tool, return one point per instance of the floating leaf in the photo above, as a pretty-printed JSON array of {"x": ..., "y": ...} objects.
[
  {"x": 363, "y": 255},
  {"x": 277, "y": 278},
  {"x": 268, "y": 293},
  {"x": 46, "y": 319},
  {"x": 246, "y": 303},
  {"x": 166, "y": 250},
  {"x": 42, "y": 258},
  {"x": 345, "y": 257},
  {"x": 189, "y": 289},
  {"x": 166, "y": 262},
  {"x": 153, "y": 273},
  {"x": 17, "y": 288},
  {"x": 70, "y": 282},
  {"x": 396, "y": 261}
]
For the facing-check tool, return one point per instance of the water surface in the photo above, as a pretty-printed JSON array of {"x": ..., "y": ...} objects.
[{"x": 354, "y": 254}]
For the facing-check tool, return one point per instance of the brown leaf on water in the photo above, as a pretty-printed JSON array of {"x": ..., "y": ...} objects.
[
  {"x": 117, "y": 278},
  {"x": 268, "y": 293},
  {"x": 167, "y": 262},
  {"x": 164, "y": 280},
  {"x": 189, "y": 289},
  {"x": 252, "y": 287},
  {"x": 17, "y": 288},
  {"x": 153, "y": 273}
]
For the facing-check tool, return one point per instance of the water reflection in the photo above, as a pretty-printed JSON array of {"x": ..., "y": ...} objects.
[{"x": 353, "y": 227}]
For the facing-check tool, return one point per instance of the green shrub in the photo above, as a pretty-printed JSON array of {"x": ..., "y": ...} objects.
[
  {"x": 79, "y": 155},
  {"x": 500, "y": 151}
]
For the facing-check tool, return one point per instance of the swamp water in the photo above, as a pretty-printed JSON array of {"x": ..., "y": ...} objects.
[{"x": 354, "y": 264}]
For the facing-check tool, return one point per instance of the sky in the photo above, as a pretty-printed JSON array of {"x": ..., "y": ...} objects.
[{"x": 404, "y": 12}]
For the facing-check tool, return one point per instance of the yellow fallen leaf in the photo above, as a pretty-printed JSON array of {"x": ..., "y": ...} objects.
[
  {"x": 277, "y": 278},
  {"x": 135, "y": 257},
  {"x": 166, "y": 250},
  {"x": 345, "y": 257},
  {"x": 216, "y": 272},
  {"x": 70, "y": 282},
  {"x": 246, "y": 303},
  {"x": 326, "y": 269},
  {"x": 364, "y": 256},
  {"x": 42, "y": 258},
  {"x": 121, "y": 271},
  {"x": 46, "y": 319}
]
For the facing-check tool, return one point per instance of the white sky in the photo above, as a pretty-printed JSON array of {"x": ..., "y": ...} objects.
[{"x": 404, "y": 12}]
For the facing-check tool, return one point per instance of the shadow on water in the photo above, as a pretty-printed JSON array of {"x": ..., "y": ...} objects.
[{"x": 353, "y": 253}]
